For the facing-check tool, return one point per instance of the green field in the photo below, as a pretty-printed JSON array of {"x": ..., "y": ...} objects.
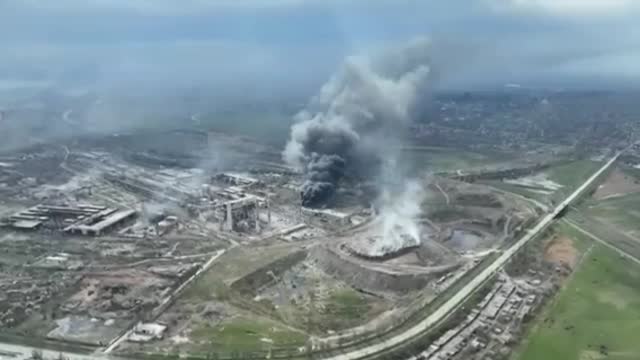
[
  {"x": 623, "y": 212},
  {"x": 631, "y": 171},
  {"x": 237, "y": 262},
  {"x": 581, "y": 242},
  {"x": 596, "y": 316},
  {"x": 345, "y": 308},
  {"x": 246, "y": 334},
  {"x": 613, "y": 216},
  {"x": 572, "y": 175},
  {"x": 613, "y": 234},
  {"x": 440, "y": 159},
  {"x": 272, "y": 127},
  {"x": 250, "y": 328},
  {"x": 515, "y": 189}
]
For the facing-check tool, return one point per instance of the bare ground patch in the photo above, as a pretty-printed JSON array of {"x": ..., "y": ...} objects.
[
  {"x": 612, "y": 298},
  {"x": 618, "y": 183},
  {"x": 591, "y": 355},
  {"x": 560, "y": 250}
]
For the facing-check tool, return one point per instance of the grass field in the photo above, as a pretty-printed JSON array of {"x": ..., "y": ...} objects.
[
  {"x": 242, "y": 331},
  {"x": 619, "y": 214},
  {"x": 596, "y": 316},
  {"x": 631, "y": 171},
  {"x": 246, "y": 334},
  {"x": 569, "y": 175},
  {"x": 613, "y": 234},
  {"x": 272, "y": 127},
  {"x": 345, "y": 308},
  {"x": 623, "y": 212},
  {"x": 515, "y": 189},
  {"x": 580, "y": 241},
  {"x": 449, "y": 159},
  {"x": 572, "y": 175},
  {"x": 237, "y": 262}
]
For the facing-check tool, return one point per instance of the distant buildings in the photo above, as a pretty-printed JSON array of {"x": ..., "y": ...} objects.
[{"x": 83, "y": 219}]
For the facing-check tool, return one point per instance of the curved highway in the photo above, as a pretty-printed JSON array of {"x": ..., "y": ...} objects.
[
  {"x": 23, "y": 352},
  {"x": 456, "y": 300}
]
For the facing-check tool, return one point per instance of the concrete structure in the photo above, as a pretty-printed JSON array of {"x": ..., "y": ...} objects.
[
  {"x": 59, "y": 216},
  {"x": 167, "y": 224},
  {"x": 481, "y": 326},
  {"x": 327, "y": 216},
  {"x": 59, "y": 261},
  {"x": 26, "y": 224},
  {"x": 237, "y": 180},
  {"x": 247, "y": 208},
  {"x": 145, "y": 332},
  {"x": 98, "y": 225}
]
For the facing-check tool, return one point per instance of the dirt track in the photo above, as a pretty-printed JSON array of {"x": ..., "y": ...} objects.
[{"x": 617, "y": 184}]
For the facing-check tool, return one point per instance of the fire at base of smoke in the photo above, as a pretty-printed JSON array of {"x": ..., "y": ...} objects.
[{"x": 358, "y": 114}]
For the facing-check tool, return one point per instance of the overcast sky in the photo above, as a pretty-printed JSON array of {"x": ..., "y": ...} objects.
[{"x": 291, "y": 44}]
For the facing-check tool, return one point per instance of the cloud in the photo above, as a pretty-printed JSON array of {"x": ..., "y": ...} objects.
[
  {"x": 223, "y": 67},
  {"x": 571, "y": 8},
  {"x": 476, "y": 41},
  {"x": 149, "y": 7}
]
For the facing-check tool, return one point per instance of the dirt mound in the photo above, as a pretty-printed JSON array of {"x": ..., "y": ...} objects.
[
  {"x": 478, "y": 199},
  {"x": 372, "y": 277},
  {"x": 560, "y": 250},
  {"x": 117, "y": 294}
]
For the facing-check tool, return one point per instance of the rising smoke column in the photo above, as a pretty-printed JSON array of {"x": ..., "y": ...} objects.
[
  {"x": 350, "y": 127},
  {"x": 400, "y": 207}
]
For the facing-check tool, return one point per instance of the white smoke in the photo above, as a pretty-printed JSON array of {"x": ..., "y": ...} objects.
[
  {"x": 399, "y": 213},
  {"x": 355, "y": 126},
  {"x": 351, "y": 125}
]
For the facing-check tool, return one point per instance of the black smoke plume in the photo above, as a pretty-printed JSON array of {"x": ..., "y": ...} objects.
[{"x": 352, "y": 125}]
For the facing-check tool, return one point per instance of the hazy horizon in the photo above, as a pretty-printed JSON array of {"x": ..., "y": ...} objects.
[{"x": 290, "y": 46}]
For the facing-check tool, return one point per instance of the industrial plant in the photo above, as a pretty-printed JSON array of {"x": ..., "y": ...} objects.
[
  {"x": 378, "y": 217},
  {"x": 109, "y": 252}
]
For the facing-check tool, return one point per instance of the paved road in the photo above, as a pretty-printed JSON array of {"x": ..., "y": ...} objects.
[
  {"x": 23, "y": 352},
  {"x": 476, "y": 282}
]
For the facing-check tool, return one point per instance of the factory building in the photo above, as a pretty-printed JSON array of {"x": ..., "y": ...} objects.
[
  {"x": 237, "y": 180},
  {"x": 74, "y": 219},
  {"x": 243, "y": 214},
  {"x": 326, "y": 216},
  {"x": 100, "y": 225}
]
